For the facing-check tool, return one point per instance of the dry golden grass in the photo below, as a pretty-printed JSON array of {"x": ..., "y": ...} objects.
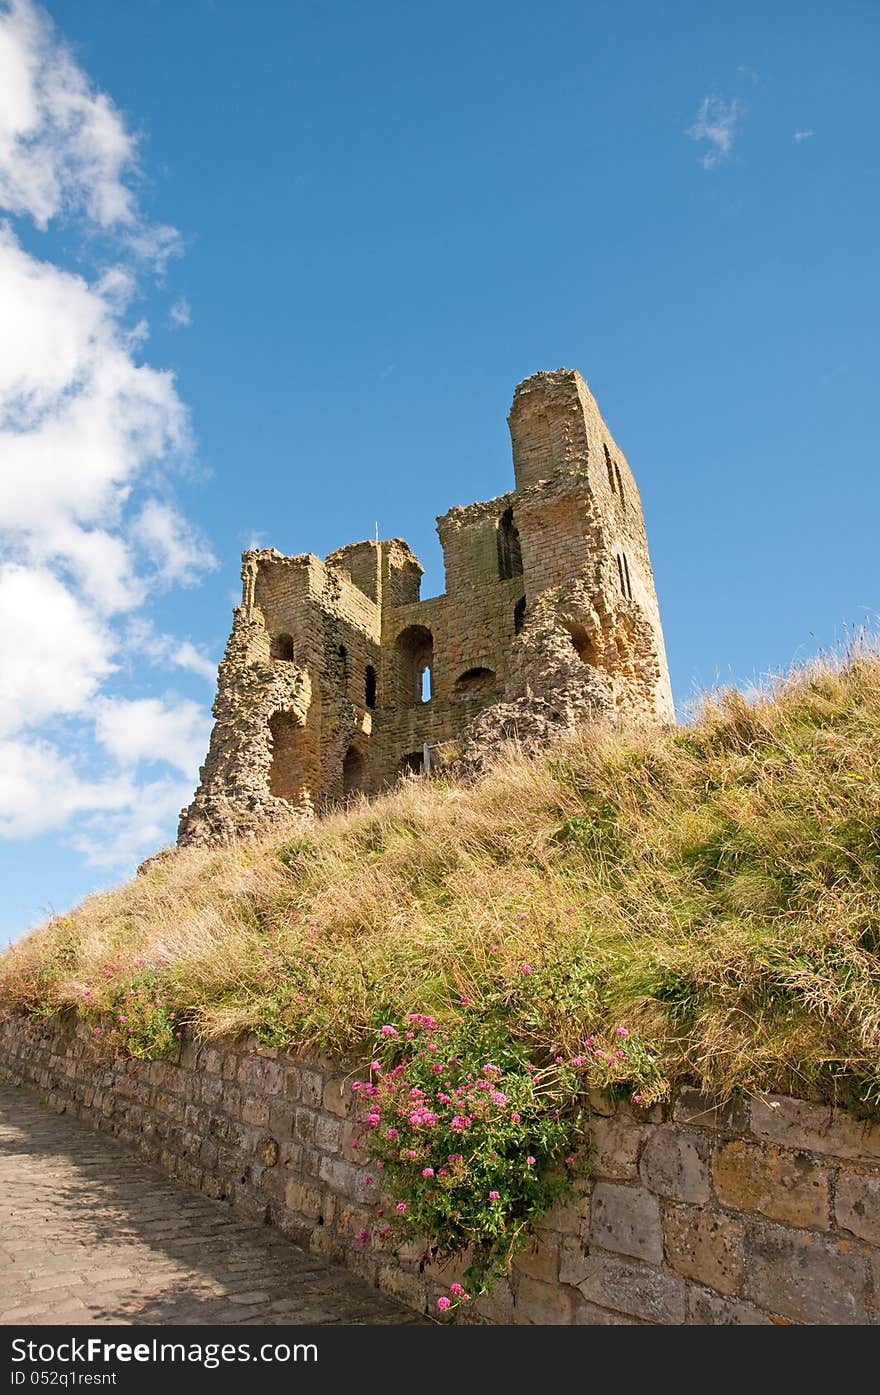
[{"x": 715, "y": 888}]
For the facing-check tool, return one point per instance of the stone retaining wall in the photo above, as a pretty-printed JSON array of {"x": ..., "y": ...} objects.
[{"x": 760, "y": 1212}]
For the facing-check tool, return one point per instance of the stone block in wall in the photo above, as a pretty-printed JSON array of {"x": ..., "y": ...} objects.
[
  {"x": 341, "y": 1176},
  {"x": 541, "y": 1303},
  {"x": 303, "y": 1199},
  {"x": 311, "y": 1088},
  {"x": 615, "y": 1148},
  {"x": 808, "y": 1277},
  {"x": 705, "y": 1245},
  {"x": 675, "y": 1163},
  {"x": 692, "y": 1107},
  {"x": 708, "y": 1309},
  {"x": 337, "y": 1096},
  {"x": 857, "y": 1203},
  {"x": 539, "y": 1259},
  {"x": 776, "y": 1182},
  {"x": 281, "y": 1118},
  {"x": 626, "y": 1220},
  {"x": 409, "y": 1288},
  {"x": 815, "y": 1127},
  {"x": 626, "y": 1286},
  {"x": 328, "y": 1133},
  {"x": 255, "y": 1073},
  {"x": 255, "y": 1110},
  {"x": 586, "y": 1314}
]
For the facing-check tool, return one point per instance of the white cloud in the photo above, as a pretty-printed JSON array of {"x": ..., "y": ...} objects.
[
  {"x": 151, "y": 729},
  {"x": 141, "y": 637},
  {"x": 798, "y": 136},
  {"x": 123, "y": 837},
  {"x": 716, "y": 122},
  {"x": 175, "y": 548},
  {"x": 64, "y": 147},
  {"x": 85, "y": 426},
  {"x": 54, "y": 652},
  {"x": 40, "y": 790},
  {"x": 180, "y": 314},
  {"x": 186, "y": 655}
]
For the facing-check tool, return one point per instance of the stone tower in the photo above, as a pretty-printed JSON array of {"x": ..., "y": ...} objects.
[{"x": 337, "y": 678}]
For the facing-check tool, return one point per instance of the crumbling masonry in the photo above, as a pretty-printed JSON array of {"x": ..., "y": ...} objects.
[{"x": 337, "y": 678}]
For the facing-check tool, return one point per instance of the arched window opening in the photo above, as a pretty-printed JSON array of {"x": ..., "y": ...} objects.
[
  {"x": 620, "y": 485},
  {"x": 629, "y": 590},
  {"x": 519, "y": 615},
  {"x": 412, "y": 764},
  {"x": 286, "y": 769},
  {"x": 582, "y": 643},
  {"x": 509, "y": 550},
  {"x": 282, "y": 647},
  {"x": 370, "y": 686},
  {"x": 354, "y": 771},
  {"x": 474, "y": 681},
  {"x": 609, "y": 465},
  {"x": 414, "y": 655}
]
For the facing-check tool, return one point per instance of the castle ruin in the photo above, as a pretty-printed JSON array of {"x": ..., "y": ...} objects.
[{"x": 338, "y": 679}]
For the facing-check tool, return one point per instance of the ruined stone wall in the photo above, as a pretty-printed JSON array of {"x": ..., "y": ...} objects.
[
  {"x": 764, "y": 1211},
  {"x": 549, "y": 619}
]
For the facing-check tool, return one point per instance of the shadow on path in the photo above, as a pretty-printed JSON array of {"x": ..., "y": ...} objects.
[{"x": 90, "y": 1234}]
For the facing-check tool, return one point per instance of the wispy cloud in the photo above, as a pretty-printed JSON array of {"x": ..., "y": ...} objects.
[
  {"x": 180, "y": 314},
  {"x": 716, "y": 123},
  {"x": 798, "y": 136}
]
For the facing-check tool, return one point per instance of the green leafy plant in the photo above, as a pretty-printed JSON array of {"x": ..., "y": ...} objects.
[{"x": 471, "y": 1137}]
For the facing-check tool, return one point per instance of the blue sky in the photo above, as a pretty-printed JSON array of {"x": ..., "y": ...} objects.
[{"x": 271, "y": 274}]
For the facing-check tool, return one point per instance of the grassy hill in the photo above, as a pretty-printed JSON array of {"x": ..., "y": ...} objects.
[{"x": 701, "y": 904}]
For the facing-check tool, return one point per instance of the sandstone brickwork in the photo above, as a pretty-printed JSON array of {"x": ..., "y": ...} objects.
[
  {"x": 338, "y": 678},
  {"x": 761, "y": 1212}
]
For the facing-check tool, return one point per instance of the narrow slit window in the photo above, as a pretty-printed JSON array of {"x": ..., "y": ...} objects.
[
  {"x": 370, "y": 686},
  {"x": 620, "y": 485},
  {"x": 609, "y": 466},
  {"x": 519, "y": 615},
  {"x": 629, "y": 590},
  {"x": 620, "y": 575},
  {"x": 509, "y": 550}
]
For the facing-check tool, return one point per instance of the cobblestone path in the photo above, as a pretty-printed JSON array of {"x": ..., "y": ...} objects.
[{"x": 89, "y": 1234}]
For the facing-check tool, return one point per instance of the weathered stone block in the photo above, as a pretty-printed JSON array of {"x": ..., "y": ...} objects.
[
  {"x": 311, "y": 1088},
  {"x": 777, "y": 1182},
  {"x": 409, "y": 1288},
  {"x": 730, "y": 1117},
  {"x": 814, "y": 1127},
  {"x": 615, "y": 1148},
  {"x": 808, "y": 1277},
  {"x": 707, "y": 1309},
  {"x": 627, "y": 1221},
  {"x": 328, "y": 1133},
  {"x": 540, "y": 1260},
  {"x": 675, "y": 1163},
  {"x": 626, "y": 1286},
  {"x": 539, "y": 1303},
  {"x": 281, "y": 1116},
  {"x": 337, "y": 1096},
  {"x": 304, "y": 1200},
  {"x": 857, "y": 1203},
  {"x": 705, "y": 1245},
  {"x": 586, "y": 1314},
  {"x": 255, "y": 1110}
]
